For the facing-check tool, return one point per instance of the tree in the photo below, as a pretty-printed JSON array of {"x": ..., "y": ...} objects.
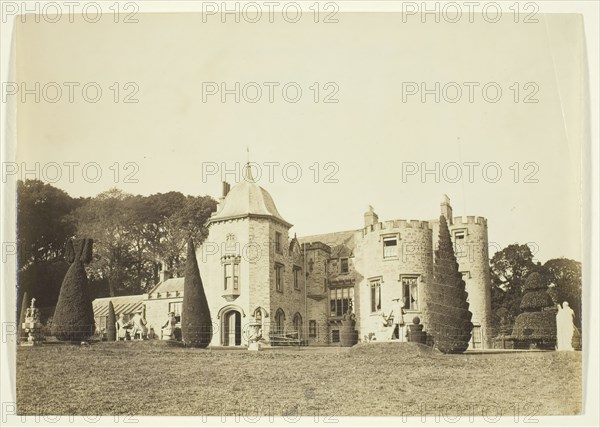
[
  {"x": 508, "y": 269},
  {"x": 196, "y": 323},
  {"x": 43, "y": 222},
  {"x": 74, "y": 316},
  {"x": 537, "y": 322},
  {"x": 564, "y": 278},
  {"x": 449, "y": 318},
  {"x": 111, "y": 328},
  {"x": 106, "y": 219}
]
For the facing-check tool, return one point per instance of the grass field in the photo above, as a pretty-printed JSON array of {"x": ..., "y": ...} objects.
[{"x": 152, "y": 378}]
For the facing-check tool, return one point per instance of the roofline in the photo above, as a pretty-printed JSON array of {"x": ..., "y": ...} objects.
[
  {"x": 240, "y": 216},
  {"x": 160, "y": 283},
  {"x": 109, "y": 298}
]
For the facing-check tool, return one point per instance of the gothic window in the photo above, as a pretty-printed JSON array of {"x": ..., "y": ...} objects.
[
  {"x": 375, "y": 295},
  {"x": 340, "y": 300},
  {"x": 297, "y": 271},
  {"x": 279, "y": 321},
  {"x": 410, "y": 293}
]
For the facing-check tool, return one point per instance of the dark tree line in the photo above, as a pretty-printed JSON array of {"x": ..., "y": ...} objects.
[
  {"x": 509, "y": 271},
  {"x": 134, "y": 236}
]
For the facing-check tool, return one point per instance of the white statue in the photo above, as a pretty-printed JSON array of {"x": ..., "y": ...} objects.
[{"x": 564, "y": 327}]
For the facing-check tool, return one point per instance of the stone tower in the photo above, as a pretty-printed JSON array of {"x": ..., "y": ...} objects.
[{"x": 246, "y": 262}]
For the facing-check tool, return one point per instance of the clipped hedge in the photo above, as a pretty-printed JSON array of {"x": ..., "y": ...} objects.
[
  {"x": 111, "y": 328},
  {"x": 447, "y": 310},
  {"x": 74, "y": 316},
  {"x": 534, "y": 300},
  {"x": 536, "y": 326},
  {"x": 196, "y": 323}
]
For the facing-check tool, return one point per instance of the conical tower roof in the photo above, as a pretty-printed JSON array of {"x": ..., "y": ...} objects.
[{"x": 247, "y": 199}]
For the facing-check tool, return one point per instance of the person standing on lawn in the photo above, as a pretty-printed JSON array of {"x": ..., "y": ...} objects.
[{"x": 121, "y": 329}]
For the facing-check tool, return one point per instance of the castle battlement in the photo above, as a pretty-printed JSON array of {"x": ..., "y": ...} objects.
[
  {"x": 396, "y": 224},
  {"x": 471, "y": 219}
]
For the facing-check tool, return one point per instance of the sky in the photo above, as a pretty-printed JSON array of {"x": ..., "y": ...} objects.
[{"x": 514, "y": 157}]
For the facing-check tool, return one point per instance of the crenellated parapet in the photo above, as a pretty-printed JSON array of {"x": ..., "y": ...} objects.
[
  {"x": 471, "y": 219},
  {"x": 395, "y": 224}
]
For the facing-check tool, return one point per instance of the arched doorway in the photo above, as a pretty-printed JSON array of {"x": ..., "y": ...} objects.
[
  {"x": 298, "y": 325},
  {"x": 231, "y": 328},
  {"x": 279, "y": 322}
]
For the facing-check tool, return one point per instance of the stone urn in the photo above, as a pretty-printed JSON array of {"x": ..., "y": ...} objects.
[{"x": 415, "y": 332}]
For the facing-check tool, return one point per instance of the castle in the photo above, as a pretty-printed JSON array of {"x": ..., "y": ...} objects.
[{"x": 305, "y": 288}]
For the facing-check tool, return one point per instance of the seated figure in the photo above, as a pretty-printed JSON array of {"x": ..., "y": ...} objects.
[{"x": 168, "y": 328}]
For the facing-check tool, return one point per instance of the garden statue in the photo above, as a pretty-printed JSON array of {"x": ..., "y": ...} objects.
[
  {"x": 254, "y": 336},
  {"x": 32, "y": 324},
  {"x": 564, "y": 327}
]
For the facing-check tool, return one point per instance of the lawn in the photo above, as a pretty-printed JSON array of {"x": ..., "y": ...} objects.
[{"x": 152, "y": 378}]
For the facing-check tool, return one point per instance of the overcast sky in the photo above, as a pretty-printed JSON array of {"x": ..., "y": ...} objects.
[{"x": 365, "y": 141}]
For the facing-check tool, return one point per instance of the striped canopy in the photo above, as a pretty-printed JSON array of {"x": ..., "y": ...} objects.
[{"x": 126, "y": 305}]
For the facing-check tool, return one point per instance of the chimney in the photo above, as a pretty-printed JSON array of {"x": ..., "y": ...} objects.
[
  {"x": 446, "y": 209},
  {"x": 226, "y": 188},
  {"x": 164, "y": 275},
  {"x": 370, "y": 217}
]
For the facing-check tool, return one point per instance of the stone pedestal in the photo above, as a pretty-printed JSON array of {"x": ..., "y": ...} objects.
[{"x": 254, "y": 346}]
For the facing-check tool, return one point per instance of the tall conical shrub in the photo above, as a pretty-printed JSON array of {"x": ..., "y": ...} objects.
[
  {"x": 196, "y": 325},
  {"x": 74, "y": 316},
  {"x": 449, "y": 318},
  {"x": 111, "y": 328},
  {"x": 24, "y": 305}
]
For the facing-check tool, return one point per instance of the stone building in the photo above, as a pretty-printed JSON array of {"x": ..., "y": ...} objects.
[{"x": 308, "y": 290}]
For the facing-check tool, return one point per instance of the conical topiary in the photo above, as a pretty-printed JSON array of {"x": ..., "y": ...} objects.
[
  {"x": 111, "y": 328},
  {"x": 537, "y": 322},
  {"x": 74, "y": 316},
  {"x": 448, "y": 315},
  {"x": 196, "y": 324},
  {"x": 24, "y": 305}
]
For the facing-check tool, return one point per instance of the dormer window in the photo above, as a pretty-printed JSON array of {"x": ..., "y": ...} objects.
[{"x": 344, "y": 265}]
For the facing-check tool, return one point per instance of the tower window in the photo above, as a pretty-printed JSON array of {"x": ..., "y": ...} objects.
[
  {"x": 278, "y": 242},
  {"x": 410, "y": 293},
  {"x": 376, "y": 295},
  {"x": 279, "y": 278},
  {"x": 231, "y": 273},
  {"x": 390, "y": 247}
]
